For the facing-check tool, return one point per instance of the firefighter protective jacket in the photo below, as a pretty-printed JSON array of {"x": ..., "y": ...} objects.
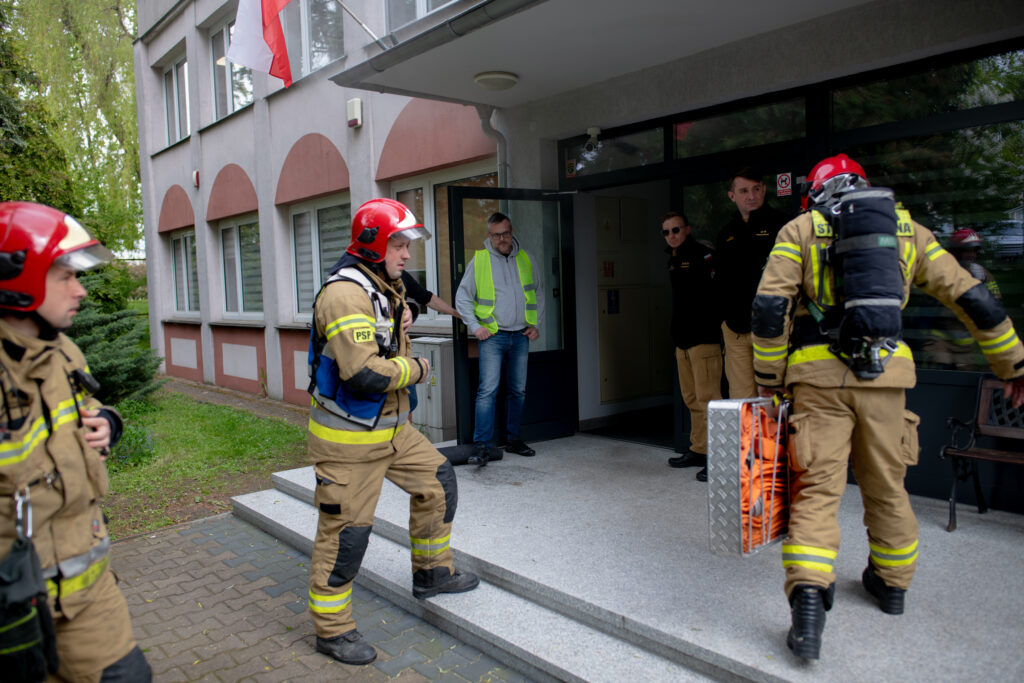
[
  {"x": 345, "y": 316},
  {"x": 741, "y": 251},
  {"x": 44, "y": 449},
  {"x": 788, "y": 344}
]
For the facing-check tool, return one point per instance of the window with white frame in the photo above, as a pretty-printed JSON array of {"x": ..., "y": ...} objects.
[
  {"x": 240, "y": 256},
  {"x": 427, "y": 197},
  {"x": 321, "y": 232},
  {"x": 184, "y": 273},
  {"x": 402, "y": 12},
  {"x": 313, "y": 34},
  {"x": 232, "y": 83},
  {"x": 176, "y": 100}
]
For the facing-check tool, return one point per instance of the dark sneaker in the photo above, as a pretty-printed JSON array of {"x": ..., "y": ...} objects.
[
  {"x": 459, "y": 582},
  {"x": 890, "y": 600},
  {"x": 519, "y": 447},
  {"x": 479, "y": 456},
  {"x": 807, "y": 608},
  {"x": 348, "y": 648},
  {"x": 688, "y": 459},
  {"x": 702, "y": 475}
]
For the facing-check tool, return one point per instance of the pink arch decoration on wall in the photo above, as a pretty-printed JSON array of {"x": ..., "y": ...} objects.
[
  {"x": 429, "y": 135},
  {"x": 233, "y": 193},
  {"x": 313, "y": 168},
  {"x": 175, "y": 210}
]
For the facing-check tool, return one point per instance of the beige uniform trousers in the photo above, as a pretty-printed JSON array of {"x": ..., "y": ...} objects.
[
  {"x": 98, "y": 636},
  {"x": 349, "y": 498},
  {"x": 739, "y": 363},
  {"x": 870, "y": 429},
  {"x": 700, "y": 381}
]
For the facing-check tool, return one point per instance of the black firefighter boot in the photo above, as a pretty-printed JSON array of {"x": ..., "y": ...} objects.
[
  {"x": 890, "y": 600},
  {"x": 808, "y": 605},
  {"x": 348, "y": 648},
  {"x": 426, "y": 583}
]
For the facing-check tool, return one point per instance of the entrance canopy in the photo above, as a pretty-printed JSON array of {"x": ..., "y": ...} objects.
[{"x": 554, "y": 46}]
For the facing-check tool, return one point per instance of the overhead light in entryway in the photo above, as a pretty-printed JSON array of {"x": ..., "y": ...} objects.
[{"x": 496, "y": 80}]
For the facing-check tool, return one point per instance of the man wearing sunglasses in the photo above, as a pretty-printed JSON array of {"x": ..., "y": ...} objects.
[
  {"x": 741, "y": 252},
  {"x": 695, "y": 333},
  {"x": 502, "y": 303}
]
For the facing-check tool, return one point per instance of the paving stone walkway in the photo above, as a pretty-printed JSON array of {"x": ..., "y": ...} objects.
[{"x": 219, "y": 600}]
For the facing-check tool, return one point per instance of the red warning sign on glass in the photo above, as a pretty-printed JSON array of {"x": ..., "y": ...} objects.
[{"x": 783, "y": 184}]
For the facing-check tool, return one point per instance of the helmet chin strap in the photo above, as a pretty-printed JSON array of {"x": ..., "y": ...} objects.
[{"x": 380, "y": 270}]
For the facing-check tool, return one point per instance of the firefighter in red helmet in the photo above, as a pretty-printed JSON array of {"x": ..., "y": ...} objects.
[
  {"x": 948, "y": 344},
  {"x": 361, "y": 366},
  {"x": 834, "y": 343},
  {"x": 54, "y": 437}
]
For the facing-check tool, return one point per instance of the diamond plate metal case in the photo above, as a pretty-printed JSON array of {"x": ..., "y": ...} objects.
[{"x": 725, "y": 525}]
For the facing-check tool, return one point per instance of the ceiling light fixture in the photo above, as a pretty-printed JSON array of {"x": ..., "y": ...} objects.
[{"x": 496, "y": 80}]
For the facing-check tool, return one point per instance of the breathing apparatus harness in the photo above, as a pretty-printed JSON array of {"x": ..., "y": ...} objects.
[
  {"x": 324, "y": 379},
  {"x": 865, "y": 327}
]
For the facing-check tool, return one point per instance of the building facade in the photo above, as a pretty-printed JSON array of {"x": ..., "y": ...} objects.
[
  {"x": 249, "y": 187},
  {"x": 618, "y": 112}
]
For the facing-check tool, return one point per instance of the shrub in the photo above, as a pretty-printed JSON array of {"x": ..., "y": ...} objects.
[
  {"x": 115, "y": 340},
  {"x": 136, "y": 444}
]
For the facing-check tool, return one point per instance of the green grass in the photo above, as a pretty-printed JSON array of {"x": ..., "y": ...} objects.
[{"x": 204, "y": 455}]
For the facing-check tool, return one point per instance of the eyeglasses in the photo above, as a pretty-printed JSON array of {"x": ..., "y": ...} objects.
[
  {"x": 675, "y": 231},
  {"x": 507, "y": 235}
]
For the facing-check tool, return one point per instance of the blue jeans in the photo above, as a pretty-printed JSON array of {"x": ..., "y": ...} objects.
[{"x": 510, "y": 349}]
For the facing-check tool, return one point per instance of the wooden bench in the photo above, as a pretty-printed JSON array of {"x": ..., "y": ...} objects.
[{"x": 995, "y": 417}]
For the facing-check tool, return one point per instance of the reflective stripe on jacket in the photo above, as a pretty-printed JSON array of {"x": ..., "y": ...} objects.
[
  {"x": 46, "y": 451},
  {"x": 361, "y": 364},
  {"x": 797, "y": 275}
]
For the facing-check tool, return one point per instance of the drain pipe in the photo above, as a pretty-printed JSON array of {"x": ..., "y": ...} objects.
[{"x": 485, "y": 111}]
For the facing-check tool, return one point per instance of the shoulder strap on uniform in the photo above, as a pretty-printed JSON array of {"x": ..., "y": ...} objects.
[{"x": 377, "y": 298}]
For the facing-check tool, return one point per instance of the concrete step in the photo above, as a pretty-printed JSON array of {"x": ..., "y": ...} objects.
[
  {"x": 542, "y": 643},
  {"x": 391, "y": 523}
]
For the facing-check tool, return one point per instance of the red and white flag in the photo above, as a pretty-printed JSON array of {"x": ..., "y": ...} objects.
[{"x": 258, "y": 39}]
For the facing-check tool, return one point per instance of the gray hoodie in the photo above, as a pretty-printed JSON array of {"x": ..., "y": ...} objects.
[{"x": 510, "y": 305}]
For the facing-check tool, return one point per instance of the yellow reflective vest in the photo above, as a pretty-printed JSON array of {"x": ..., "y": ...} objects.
[{"x": 483, "y": 305}]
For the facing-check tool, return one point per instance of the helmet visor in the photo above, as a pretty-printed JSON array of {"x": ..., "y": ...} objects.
[
  {"x": 417, "y": 232},
  {"x": 86, "y": 258},
  {"x": 82, "y": 251}
]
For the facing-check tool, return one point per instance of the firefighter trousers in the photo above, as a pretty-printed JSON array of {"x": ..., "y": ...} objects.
[
  {"x": 700, "y": 381},
  {"x": 739, "y": 363},
  {"x": 346, "y": 495},
  {"x": 870, "y": 429},
  {"x": 98, "y": 636}
]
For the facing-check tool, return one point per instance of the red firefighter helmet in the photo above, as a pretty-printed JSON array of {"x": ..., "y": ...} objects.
[
  {"x": 33, "y": 237},
  {"x": 832, "y": 176},
  {"x": 377, "y": 221},
  {"x": 965, "y": 238}
]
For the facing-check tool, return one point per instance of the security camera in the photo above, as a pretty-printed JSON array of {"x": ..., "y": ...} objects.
[{"x": 591, "y": 144}]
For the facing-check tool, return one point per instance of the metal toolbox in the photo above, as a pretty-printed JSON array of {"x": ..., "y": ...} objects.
[{"x": 726, "y": 470}]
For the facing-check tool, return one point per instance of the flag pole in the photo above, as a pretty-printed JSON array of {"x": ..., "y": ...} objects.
[{"x": 366, "y": 28}]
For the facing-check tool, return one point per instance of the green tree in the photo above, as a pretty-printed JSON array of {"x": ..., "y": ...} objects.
[
  {"x": 81, "y": 51},
  {"x": 32, "y": 165},
  {"x": 115, "y": 339}
]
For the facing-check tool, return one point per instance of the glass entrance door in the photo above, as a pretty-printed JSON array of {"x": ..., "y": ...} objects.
[{"x": 542, "y": 222}]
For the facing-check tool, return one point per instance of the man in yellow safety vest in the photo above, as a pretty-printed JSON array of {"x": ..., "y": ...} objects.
[{"x": 501, "y": 301}]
